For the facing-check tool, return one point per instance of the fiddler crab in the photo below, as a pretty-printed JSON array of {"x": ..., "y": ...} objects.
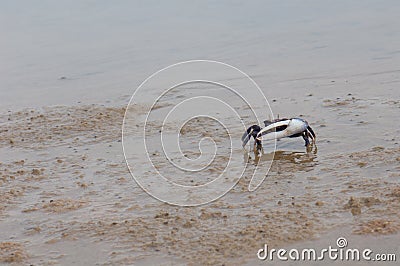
[{"x": 277, "y": 129}]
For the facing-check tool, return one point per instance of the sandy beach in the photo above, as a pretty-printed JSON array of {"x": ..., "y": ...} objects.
[{"x": 67, "y": 75}]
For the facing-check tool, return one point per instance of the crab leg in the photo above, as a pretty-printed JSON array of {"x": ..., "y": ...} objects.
[
  {"x": 305, "y": 136},
  {"x": 311, "y": 134}
]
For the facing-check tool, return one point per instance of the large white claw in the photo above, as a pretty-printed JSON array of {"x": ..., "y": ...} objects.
[
  {"x": 272, "y": 128},
  {"x": 293, "y": 126}
]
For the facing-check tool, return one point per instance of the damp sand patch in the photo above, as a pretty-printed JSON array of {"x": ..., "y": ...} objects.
[
  {"x": 60, "y": 125},
  {"x": 12, "y": 252},
  {"x": 86, "y": 195}
]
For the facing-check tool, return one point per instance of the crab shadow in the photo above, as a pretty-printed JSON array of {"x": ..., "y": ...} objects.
[{"x": 283, "y": 160}]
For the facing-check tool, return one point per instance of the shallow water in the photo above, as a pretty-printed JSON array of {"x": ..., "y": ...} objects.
[{"x": 67, "y": 74}]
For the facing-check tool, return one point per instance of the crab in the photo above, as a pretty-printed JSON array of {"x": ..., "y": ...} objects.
[{"x": 280, "y": 128}]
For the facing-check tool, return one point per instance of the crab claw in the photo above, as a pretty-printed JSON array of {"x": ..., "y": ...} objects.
[
  {"x": 283, "y": 128},
  {"x": 271, "y": 131}
]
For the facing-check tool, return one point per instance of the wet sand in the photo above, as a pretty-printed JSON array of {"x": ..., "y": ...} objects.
[
  {"x": 66, "y": 191},
  {"x": 66, "y": 194}
]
